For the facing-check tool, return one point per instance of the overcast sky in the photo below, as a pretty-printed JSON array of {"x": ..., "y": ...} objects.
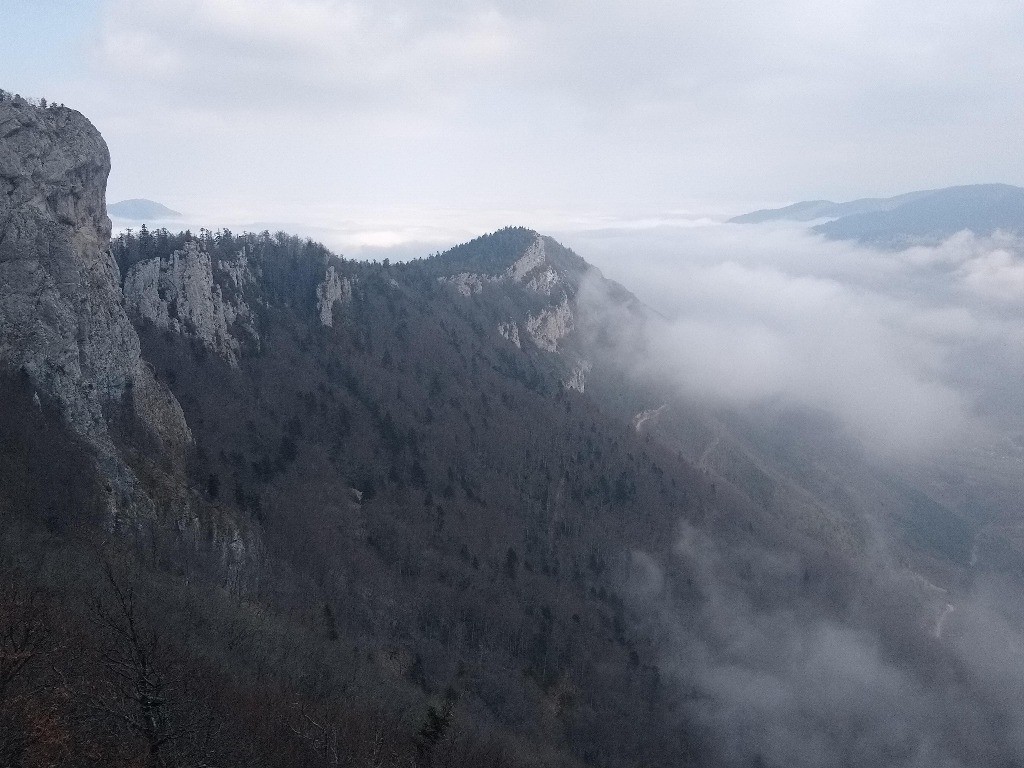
[{"x": 467, "y": 115}]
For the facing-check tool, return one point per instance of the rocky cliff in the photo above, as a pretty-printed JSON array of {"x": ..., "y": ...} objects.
[
  {"x": 180, "y": 294},
  {"x": 63, "y": 327},
  {"x": 550, "y": 301}
]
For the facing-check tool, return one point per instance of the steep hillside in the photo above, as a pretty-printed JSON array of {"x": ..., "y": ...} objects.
[
  {"x": 393, "y": 466},
  {"x": 434, "y": 450},
  {"x": 421, "y": 461}
]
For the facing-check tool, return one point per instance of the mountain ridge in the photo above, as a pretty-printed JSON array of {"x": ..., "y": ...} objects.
[{"x": 924, "y": 217}]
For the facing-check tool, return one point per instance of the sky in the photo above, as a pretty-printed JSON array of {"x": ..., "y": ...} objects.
[
  {"x": 401, "y": 121},
  {"x": 918, "y": 353}
]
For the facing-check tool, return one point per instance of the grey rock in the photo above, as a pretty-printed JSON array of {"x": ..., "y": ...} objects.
[
  {"x": 62, "y": 316},
  {"x": 334, "y": 288},
  {"x": 578, "y": 377},
  {"x": 547, "y": 327},
  {"x": 180, "y": 294},
  {"x": 510, "y": 331}
]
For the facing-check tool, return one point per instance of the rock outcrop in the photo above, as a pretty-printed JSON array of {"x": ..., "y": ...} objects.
[
  {"x": 551, "y": 300},
  {"x": 578, "y": 377},
  {"x": 549, "y": 276},
  {"x": 550, "y": 325},
  {"x": 62, "y": 319},
  {"x": 510, "y": 331},
  {"x": 533, "y": 270},
  {"x": 180, "y": 294},
  {"x": 334, "y": 288}
]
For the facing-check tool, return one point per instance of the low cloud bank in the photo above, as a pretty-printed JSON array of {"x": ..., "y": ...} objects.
[
  {"x": 788, "y": 656},
  {"x": 785, "y": 661},
  {"x": 916, "y": 352}
]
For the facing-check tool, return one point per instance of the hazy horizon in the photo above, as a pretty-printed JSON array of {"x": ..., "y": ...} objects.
[{"x": 459, "y": 113}]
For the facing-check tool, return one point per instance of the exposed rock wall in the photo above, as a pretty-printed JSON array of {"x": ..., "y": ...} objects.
[
  {"x": 510, "y": 331},
  {"x": 539, "y": 274},
  {"x": 535, "y": 271},
  {"x": 180, "y": 294},
  {"x": 578, "y": 377},
  {"x": 62, "y": 318},
  {"x": 468, "y": 283},
  {"x": 549, "y": 326},
  {"x": 333, "y": 289}
]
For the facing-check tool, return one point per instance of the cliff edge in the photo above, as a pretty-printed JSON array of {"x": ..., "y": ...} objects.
[{"x": 63, "y": 327}]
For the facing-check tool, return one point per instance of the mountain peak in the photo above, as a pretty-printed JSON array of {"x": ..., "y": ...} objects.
[
  {"x": 140, "y": 209},
  {"x": 513, "y": 252}
]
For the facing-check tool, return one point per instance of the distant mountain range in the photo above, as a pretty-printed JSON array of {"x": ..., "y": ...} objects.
[
  {"x": 141, "y": 210},
  {"x": 923, "y": 217}
]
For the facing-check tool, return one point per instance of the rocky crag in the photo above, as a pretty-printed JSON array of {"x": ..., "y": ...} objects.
[{"x": 64, "y": 331}]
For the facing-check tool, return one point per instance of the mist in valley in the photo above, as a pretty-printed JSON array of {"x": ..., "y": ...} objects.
[
  {"x": 786, "y": 656},
  {"x": 917, "y": 352}
]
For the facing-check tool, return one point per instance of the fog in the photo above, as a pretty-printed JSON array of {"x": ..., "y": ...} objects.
[
  {"x": 916, "y": 352},
  {"x": 788, "y": 655},
  {"x": 809, "y": 664}
]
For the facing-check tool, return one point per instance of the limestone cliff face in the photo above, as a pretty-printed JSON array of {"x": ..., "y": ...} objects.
[
  {"x": 543, "y": 281},
  {"x": 550, "y": 325},
  {"x": 219, "y": 300},
  {"x": 62, "y": 317},
  {"x": 334, "y": 288},
  {"x": 181, "y": 294},
  {"x": 552, "y": 282}
]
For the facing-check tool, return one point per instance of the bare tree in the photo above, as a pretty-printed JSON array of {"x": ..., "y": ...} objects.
[
  {"x": 137, "y": 694},
  {"x": 23, "y": 630}
]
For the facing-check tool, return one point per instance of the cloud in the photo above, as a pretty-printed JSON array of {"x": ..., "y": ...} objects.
[
  {"x": 604, "y": 105},
  {"x": 267, "y": 57},
  {"x": 805, "y": 662},
  {"x": 911, "y": 351},
  {"x": 997, "y": 274}
]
